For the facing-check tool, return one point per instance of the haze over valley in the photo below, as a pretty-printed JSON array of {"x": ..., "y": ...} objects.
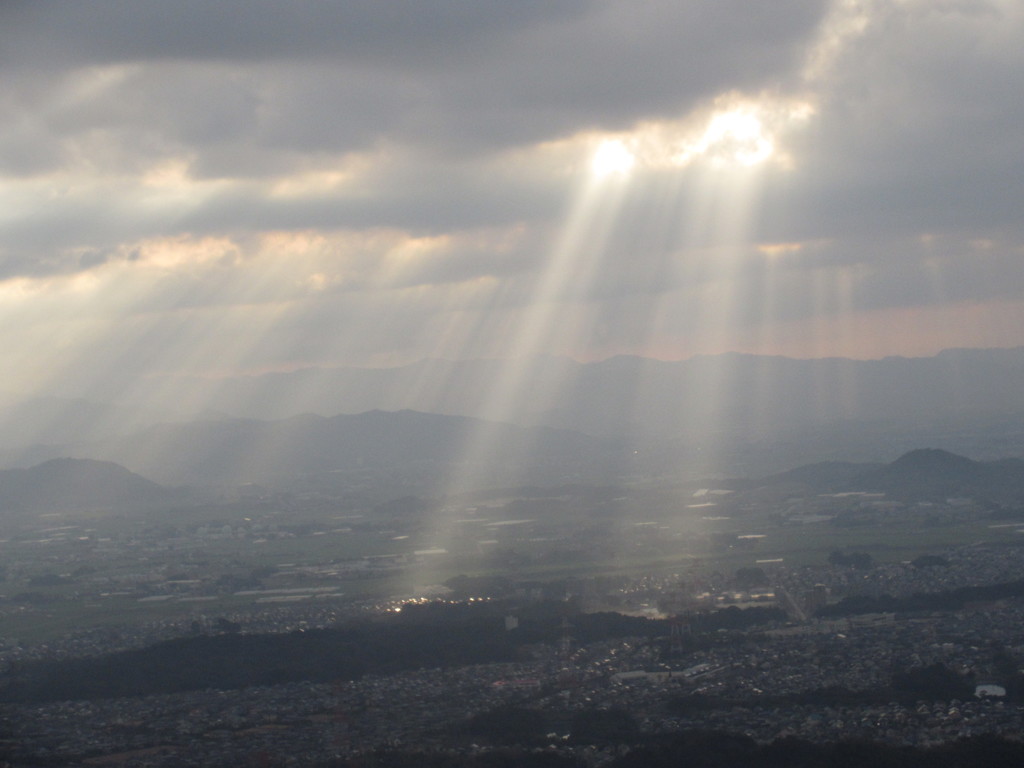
[
  {"x": 726, "y": 415},
  {"x": 568, "y": 383}
]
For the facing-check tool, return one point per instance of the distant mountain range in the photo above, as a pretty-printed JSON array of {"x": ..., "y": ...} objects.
[
  {"x": 634, "y": 395},
  {"x": 739, "y": 415},
  {"x": 68, "y": 484},
  {"x": 425, "y": 448}
]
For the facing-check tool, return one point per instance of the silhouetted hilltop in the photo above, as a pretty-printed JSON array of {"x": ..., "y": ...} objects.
[
  {"x": 924, "y": 474},
  {"x": 76, "y": 484},
  {"x": 930, "y": 473},
  {"x": 931, "y": 464}
]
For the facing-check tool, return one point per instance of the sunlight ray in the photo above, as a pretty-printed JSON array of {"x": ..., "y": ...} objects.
[{"x": 550, "y": 323}]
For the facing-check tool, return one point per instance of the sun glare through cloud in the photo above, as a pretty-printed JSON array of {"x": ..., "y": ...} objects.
[
  {"x": 736, "y": 137},
  {"x": 612, "y": 157},
  {"x": 379, "y": 304}
]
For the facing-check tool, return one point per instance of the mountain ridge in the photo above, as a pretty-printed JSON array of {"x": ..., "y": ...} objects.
[
  {"x": 238, "y": 451},
  {"x": 735, "y": 413}
]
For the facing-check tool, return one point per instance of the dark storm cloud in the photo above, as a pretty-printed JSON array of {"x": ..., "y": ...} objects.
[
  {"x": 460, "y": 75},
  {"x": 116, "y": 31}
]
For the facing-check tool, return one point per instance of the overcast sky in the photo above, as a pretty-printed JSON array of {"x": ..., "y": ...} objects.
[{"x": 244, "y": 185}]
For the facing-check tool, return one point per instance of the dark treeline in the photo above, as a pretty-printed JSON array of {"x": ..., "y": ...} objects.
[
  {"x": 431, "y": 635},
  {"x": 950, "y": 600},
  {"x": 236, "y": 661}
]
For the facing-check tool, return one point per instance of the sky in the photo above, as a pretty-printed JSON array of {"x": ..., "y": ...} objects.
[{"x": 245, "y": 186}]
